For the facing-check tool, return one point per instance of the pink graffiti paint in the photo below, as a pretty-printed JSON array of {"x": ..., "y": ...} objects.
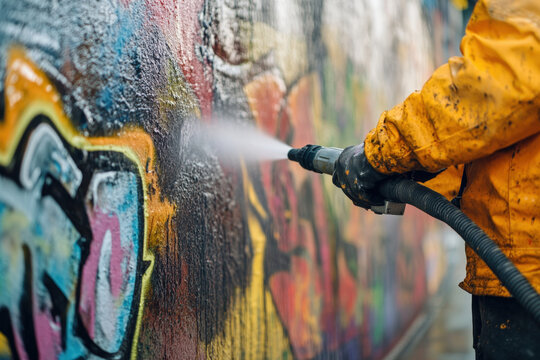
[
  {"x": 101, "y": 224},
  {"x": 48, "y": 333}
]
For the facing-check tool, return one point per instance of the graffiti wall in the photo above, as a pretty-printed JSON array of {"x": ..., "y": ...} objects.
[{"x": 121, "y": 238}]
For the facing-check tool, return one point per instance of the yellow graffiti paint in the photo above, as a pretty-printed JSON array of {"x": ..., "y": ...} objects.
[
  {"x": 4, "y": 347},
  {"x": 167, "y": 98},
  {"x": 28, "y": 94},
  {"x": 460, "y": 4},
  {"x": 252, "y": 329}
]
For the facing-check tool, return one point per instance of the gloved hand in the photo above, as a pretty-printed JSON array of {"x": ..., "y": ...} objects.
[{"x": 357, "y": 178}]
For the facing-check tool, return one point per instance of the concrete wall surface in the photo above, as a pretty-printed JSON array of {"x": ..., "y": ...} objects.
[{"x": 120, "y": 237}]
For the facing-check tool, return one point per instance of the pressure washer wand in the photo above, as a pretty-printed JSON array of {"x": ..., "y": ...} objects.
[
  {"x": 321, "y": 159},
  {"x": 401, "y": 190}
]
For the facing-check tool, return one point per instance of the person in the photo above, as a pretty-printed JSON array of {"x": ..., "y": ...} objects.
[{"x": 482, "y": 110}]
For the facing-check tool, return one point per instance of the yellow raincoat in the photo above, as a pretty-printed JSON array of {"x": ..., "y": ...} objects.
[{"x": 483, "y": 110}]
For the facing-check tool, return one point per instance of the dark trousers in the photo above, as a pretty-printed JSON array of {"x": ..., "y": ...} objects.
[{"x": 502, "y": 329}]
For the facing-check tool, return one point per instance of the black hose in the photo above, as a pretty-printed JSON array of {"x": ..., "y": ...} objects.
[{"x": 408, "y": 191}]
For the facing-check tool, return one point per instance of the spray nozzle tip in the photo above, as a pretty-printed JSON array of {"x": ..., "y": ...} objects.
[
  {"x": 304, "y": 156},
  {"x": 294, "y": 154}
]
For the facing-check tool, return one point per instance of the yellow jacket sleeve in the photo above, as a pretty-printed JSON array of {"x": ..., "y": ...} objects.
[{"x": 474, "y": 105}]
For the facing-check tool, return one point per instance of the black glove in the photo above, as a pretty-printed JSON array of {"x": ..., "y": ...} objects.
[{"x": 357, "y": 178}]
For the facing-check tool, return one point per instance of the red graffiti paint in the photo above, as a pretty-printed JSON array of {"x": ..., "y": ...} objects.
[
  {"x": 179, "y": 22},
  {"x": 303, "y": 293}
]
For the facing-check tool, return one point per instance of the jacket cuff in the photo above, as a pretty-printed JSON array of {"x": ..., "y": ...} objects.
[{"x": 380, "y": 148}]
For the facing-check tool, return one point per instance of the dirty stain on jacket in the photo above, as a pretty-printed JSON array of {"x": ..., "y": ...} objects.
[{"x": 482, "y": 110}]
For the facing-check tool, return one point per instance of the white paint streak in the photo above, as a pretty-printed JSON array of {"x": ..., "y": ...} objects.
[
  {"x": 45, "y": 153},
  {"x": 105, "y": 303}
]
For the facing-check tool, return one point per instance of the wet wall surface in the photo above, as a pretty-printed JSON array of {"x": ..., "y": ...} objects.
[{"x": 121, "y": 238}]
